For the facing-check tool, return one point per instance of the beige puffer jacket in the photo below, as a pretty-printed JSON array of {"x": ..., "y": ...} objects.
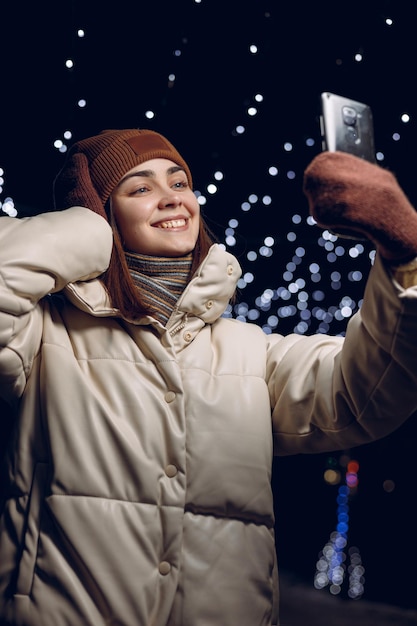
[{"x": 140, "y": 467}]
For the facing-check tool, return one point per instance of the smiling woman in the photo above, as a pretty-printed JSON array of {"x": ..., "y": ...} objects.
[
  {"x": 142, "y": 181},
  {"x": 138, "y": 482},
  {"x": 157, "y": 216},
  {"x": 155, "y": 210}
]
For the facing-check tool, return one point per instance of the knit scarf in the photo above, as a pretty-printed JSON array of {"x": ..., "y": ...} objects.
[{"x": 160, "y": 280}]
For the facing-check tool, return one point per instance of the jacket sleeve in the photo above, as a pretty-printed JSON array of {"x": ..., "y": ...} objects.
[
  {"x": 40, "y": 255},
  {"x": 330, "y": 393}
]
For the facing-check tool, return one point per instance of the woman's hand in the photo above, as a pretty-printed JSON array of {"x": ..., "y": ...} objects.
[
  {"x": 74, "y": 184},
  {"x": 355, "y": 198}
]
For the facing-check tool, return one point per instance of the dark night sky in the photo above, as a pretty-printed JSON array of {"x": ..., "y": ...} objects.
[{"x": 122, "y": 67}]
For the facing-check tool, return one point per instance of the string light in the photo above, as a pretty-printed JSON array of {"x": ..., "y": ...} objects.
[{"x": 338, "y": 563}]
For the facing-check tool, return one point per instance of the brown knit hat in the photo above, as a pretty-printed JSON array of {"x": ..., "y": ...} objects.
[{"x": 95, "y": 165}]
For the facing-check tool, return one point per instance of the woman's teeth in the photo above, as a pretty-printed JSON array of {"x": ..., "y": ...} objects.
[{"x": 172, "y": 224}]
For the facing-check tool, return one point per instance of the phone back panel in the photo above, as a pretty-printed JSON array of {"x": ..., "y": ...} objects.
[{"x": 347, "y": 126}]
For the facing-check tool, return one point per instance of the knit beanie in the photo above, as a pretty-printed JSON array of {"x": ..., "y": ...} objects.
[{"x": 94, "y": 166}]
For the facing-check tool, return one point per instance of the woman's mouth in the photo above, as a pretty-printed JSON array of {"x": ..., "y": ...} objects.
[{"x": 172, "y": 223}]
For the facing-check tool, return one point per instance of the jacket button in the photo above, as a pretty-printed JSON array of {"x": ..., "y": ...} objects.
[
  {"x": 170, "y": 396},
  {"x": 230, "y": 269},
  {"x": 187, "y": 337},
  {"x": 171, "y": 471},
  {"x": 164, "y": 568},
  {"x": 209, "y": 304}
]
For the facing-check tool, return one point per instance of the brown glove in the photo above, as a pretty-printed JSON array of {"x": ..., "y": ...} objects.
[
  {"x": 73, "y": 186},
  {"x": 355, "y": 198}
]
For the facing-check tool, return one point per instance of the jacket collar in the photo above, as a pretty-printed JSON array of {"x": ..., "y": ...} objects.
[{"x": 206, "y": 296}]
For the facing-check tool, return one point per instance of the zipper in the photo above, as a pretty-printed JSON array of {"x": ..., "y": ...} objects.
[{"x": 180, "y": 326}]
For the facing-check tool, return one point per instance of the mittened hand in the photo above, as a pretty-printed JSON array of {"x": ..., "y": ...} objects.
[
  {"x": 73, "y": 186},
  {"x": 355, "y": 198}
]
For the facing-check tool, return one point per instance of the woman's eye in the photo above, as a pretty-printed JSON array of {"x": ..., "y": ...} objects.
[
  {"x": 181, "y": 184},
  {"x": 140, "y": 190}
]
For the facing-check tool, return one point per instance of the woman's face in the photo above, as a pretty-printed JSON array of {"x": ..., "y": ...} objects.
[{"x": 156, "y": 211}]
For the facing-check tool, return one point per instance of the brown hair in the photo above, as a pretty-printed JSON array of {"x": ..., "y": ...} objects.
[{"x": 123, "y": 292}]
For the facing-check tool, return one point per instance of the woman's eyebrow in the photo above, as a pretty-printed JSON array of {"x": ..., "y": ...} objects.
[{"x": 150, "y": 173}]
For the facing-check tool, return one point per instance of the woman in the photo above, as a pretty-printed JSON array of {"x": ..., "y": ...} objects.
[{"x": 139, "y": 469}]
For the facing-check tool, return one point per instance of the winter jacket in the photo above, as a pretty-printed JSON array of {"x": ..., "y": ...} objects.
[{"x": 139, "y": 469}]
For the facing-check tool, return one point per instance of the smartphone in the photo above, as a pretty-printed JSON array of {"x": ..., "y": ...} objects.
[{"x": 347, "y": 125}]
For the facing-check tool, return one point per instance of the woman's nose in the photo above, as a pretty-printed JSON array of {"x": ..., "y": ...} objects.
[{"x": 169, "y": 198}]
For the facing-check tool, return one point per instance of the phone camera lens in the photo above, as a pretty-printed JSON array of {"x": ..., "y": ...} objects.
[
  {"x": 352, "y": 136},
  {"x": 349, "y": 116}
]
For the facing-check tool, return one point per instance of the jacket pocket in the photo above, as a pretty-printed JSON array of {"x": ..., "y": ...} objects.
[{"x": 30, "y": 539}]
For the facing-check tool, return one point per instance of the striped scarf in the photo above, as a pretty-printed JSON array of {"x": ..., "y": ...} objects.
[{"x": 160, "y": 280}]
